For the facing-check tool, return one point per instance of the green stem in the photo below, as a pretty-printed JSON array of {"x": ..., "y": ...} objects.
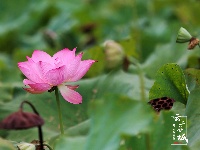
[
  {"x": 148, "y": 144},
  {"x": 48, "y": 146},
  {"x": 141, "y": 78},
  {"x": 39, "y": 127},
  {"x": 142, "y": 87},
  {"x": 59, "y": 111},
  {"x": 143, "y": 95}
]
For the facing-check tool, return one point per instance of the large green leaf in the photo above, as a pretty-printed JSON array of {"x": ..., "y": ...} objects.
[
  {"x": 160, "y": 137},
  {"x": 69, "y": 143},
  {"x": 79, "y": 129},
  {"x": 192, "y": 113},
  {"x": 117, "y": 82},
  {"x": 112, "y": 116},
  {"x": 6, "y": 145},
  {"x": 170, "y": 82}
]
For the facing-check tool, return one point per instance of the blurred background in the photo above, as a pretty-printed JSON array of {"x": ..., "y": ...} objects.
[
  {"x": 54, "y": 25},
  {"x": 140, "y": 26},
  {"x": 145, "y": 30}
]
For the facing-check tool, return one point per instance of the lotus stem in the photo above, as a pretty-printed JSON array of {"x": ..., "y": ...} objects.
[
  {"x": 39, "y": 127},
  {"x": 59, "y": 111}
]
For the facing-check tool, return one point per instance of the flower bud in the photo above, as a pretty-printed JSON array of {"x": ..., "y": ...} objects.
[
  {"x": 26, "y": 146},
  {"x": 183, "y": 36},
  {"x": 114, "y": 54}
]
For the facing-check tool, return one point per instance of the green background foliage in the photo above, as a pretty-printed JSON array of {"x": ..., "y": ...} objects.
[{"x": 114, "y": 113}]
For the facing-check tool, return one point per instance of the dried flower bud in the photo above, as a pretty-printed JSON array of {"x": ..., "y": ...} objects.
[
  {"x": 21, "y": 120},
  {"x": 37, "y": 144},
  {"x": 26, "y": 146},
  {"x": 193, "y": 43},
  {"x": 183, "y": 36},
  {"x": 165, "y": 103}
]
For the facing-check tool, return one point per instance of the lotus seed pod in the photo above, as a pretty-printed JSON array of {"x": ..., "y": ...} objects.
[
  {"x": 163, "y": 103},
  {"x": 114, "y": 54},
  {"x": 21, "y": 120},
  {"x": 183, "y": 36}
]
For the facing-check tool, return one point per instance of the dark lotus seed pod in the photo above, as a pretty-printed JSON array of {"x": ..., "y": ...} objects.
[
  {"x": 21, "y": 120},
  {"x": 159, "y": 104}
]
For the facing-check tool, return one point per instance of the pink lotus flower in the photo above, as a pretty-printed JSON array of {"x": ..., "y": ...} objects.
[{"x": 45, "y": 72}]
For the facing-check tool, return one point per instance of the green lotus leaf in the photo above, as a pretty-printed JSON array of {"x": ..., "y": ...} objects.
[{"x": 170, "y": 82}]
